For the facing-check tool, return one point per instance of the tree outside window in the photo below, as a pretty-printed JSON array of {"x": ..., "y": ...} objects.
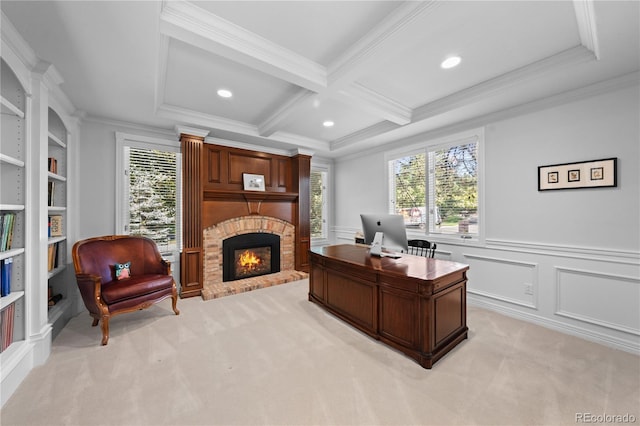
[
  {"x": 318, "y": 204},
  {"x": 152, "y": 196},
  {"x": 437, "y": 189}
]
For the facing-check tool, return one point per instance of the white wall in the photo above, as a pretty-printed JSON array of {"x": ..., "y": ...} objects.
[
  {"x": 97, "y": 164},
  {"x": 578, "y": 249},
  {"x": 601, "y": 127}
]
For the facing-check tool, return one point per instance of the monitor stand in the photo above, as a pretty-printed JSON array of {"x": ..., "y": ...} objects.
[{"x": 376, "y": 245}]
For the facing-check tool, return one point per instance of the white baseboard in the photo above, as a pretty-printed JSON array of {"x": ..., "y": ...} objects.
[{"x": 593, "y": 336}]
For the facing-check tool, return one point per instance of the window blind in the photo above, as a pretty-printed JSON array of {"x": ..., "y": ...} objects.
[
  {"x": 318, "y": 203},
  {"x": 153, "y": 195}
]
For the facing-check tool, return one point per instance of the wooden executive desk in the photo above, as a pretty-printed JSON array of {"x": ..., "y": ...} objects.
[{"x": 414, "y": 304}]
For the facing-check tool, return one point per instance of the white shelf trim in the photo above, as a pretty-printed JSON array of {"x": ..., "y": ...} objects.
[
  {"x": 57, "y": 140},
  {"x": 11, "y": 207},
  {"x": 9, "y": 108},
  {"x": 52, "y": 273},
  {"x": 56, "y": 177},
  {"x": 10, "y": 253},
  {"x": 11, "y": 160},
  {"x": 10, "y": 298}
]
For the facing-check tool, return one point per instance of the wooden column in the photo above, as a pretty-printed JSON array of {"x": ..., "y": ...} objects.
[
  {"x": 301, "y": 181},
  {"x": 191, "y": 258}
]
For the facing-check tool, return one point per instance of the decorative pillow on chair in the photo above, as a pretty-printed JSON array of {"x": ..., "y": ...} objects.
[{"x": 123, "y": 270}]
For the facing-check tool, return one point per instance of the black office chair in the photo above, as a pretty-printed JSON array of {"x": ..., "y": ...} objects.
[{"x": 422, "y": 248}]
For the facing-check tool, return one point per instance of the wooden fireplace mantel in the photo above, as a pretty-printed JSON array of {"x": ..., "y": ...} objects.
[
  {"x": 213, "y": 192},
  {"x": 224, "y": 195}
]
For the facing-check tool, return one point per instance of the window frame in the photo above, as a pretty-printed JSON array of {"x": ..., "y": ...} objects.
[
  {"x": 124, "y": 140},
  {"x": 433, "y": 144},
  {"x": 323, "y": 167}
]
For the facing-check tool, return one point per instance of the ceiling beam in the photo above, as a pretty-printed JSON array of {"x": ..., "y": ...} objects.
[
  {"x": 586, "y": 17},
  {"x": 374, "y": 103},
  {"x": 202, "y": 120},
  {"x": 191, "y": 24},
  {"x": 284, "y": 112}
]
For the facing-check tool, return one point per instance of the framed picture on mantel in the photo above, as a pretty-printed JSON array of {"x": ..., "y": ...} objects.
[
  {"x": 583, "y": 174},
  {"x": 253, "y": 182}
]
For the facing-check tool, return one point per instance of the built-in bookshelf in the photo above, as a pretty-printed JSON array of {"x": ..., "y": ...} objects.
[
  {"x": 13, "y": 170},
  {"x": 38, "y": 123},
  {"x": 57, "y": 218}
]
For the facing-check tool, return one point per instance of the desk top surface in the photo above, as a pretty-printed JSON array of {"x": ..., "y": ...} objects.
[{"x": 406, "y": 265}]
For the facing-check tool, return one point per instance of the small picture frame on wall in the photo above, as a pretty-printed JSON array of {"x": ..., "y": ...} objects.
[
  {"x": 253, "y": 182},
  {"x": 581, "y": 174}
]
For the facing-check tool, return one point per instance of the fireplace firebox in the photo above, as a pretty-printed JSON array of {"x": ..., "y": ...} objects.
[{"x": 250, "y": 255}]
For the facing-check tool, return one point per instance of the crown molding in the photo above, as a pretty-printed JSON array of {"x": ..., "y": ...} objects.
[
  {"x": 128, "y": 125},
  {"x": 373, "y": 102},
  {"x": 572, "y": 56},
  {"x": 284, "y": 112},
  {"x": 260, "y": 148},
  {"x": 364, "y": 134},
  {"x": 586, "y": 18},
  {"x": 355, "y": 60},
  {"x": 241, "y": 129},
  {"x": 185, "y": 130},
  {"x": 198, "y": 118},
  {"x": 631, "y": 80},
  {"x": 187, "y": 22},
  {"x": 248, "y": 146},
  {"x": 16, "y": 43}
]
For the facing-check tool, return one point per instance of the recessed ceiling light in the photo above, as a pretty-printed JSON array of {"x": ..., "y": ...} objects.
[
  {"x": 450, "y": 62},
  {"x": 224, "y": 93},
  {"x": 328, "y": 123}
]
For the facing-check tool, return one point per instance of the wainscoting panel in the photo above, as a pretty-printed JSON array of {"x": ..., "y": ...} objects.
[
  {"x": 506, "y": 280},
  {"x": 607, "y": 300}
]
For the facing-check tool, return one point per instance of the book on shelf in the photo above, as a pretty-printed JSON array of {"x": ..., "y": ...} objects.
[
  {"x": 6, "y": 265},
  {"x": 53, "y": 165},
  {"x": 50, "y": 193},
  {"x": 51, "y": 256},
  {"x": 6, "y": 326},
  {"x": 7, "y": 224},
  {"x": 55, "y": 226}
]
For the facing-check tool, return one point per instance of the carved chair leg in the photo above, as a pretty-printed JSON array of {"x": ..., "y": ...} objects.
[
  {"x": 105, "y": 330},
  {"x": 95, "y": 322},
  {"x": 174, "y": 303}
]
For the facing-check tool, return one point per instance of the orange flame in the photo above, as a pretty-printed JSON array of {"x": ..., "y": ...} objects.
[{"x": 249, "y": 260}]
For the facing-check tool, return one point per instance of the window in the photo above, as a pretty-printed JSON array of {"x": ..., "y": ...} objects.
[
  {"x": 148, "y": 199},
  {"x": 436, "y": 187},
  {"x": 318, "y": 215},
  {"x": 152, "y": 177}
]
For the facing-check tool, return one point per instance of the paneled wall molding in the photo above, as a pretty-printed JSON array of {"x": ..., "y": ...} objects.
[
  {"x": 576, "y": 252},
  {"x": 501, "y": 298},
  {"x": 533, "y": 266},
  {"x": 500, "y": 260},
  {"x": 624, "y": 286},
  {"x": 627, "y": 257},
  {"x": 563, "y": 327}
]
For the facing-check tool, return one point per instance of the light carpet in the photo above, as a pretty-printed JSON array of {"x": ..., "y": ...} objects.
[{"x": 271, "y": 357}]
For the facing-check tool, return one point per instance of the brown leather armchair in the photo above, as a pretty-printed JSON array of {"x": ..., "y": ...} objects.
[{"x": 104, "y": 295}]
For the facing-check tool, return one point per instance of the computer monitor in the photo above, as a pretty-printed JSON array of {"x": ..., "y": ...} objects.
[{"x": 392, "y": 227}]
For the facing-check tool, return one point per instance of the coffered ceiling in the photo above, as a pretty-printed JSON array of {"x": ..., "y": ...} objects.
[{"x": 371, "y": 67}]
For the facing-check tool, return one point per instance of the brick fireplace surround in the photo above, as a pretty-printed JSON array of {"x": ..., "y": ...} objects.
[{"x": 214, "y": 287}]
